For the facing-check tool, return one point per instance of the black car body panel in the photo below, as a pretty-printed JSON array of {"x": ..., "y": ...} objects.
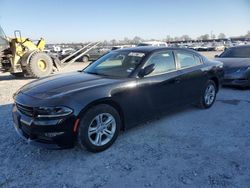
[{"x": 136, "y": 99}]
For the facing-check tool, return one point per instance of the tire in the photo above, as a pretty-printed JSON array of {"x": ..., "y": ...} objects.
[
  {"x": 18, "y": 74},
  {"x": 34, "y": 69},
  {"x": 85, "y": 59},
  {"x": 88, "y": 128},
  {"x": 206, "y": 101}
]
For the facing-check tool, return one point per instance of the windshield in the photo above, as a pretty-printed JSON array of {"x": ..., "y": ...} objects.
[
  {"x": 239, "y": 52},
  {"x": 116, "y": 64}
]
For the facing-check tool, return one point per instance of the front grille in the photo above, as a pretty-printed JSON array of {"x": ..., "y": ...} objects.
[{"x": 29, "y": 111}]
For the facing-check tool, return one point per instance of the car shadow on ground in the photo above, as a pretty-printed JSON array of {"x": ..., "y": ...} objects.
[
  {"x": 146, "y": 124},
  {"x": 236, "y": 87},
  {"x": 11, "y": 77}
]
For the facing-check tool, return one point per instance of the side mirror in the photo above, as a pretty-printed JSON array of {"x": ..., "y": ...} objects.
[
  {"x": 146, "y": 70},
  {"x": 216, "y": 56}
]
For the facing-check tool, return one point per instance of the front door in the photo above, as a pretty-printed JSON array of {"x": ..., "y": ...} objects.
[{"x": 160, "y": 90}]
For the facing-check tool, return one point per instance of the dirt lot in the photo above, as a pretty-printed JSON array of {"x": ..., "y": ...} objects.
[{"x": 186, "y": 148}]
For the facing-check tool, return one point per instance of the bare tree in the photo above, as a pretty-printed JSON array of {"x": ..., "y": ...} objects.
[
  {"x": 137, "y": 40},
  {"x": 213, "y": 36},
  {"x": 248, "y": 34},
  {"x": 221, "y": 36},
  {"x": 169, "y": 38},
  {"x": 126, "y": 40},
  {"x": 105, "y": 43},
  {"x": 203, "y": 37},
  {"x": 177, "y": 38},
  {"x": 113, "y": 42},
  {"x": 185, "y": 37}
]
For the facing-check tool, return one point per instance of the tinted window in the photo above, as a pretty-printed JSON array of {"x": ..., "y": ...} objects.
[
  {"x": 118, "y": 64},
  {"x": 239, "y": 52},
  {"x": 187, "y": 59},
  {"x": 163, "y": 61}
]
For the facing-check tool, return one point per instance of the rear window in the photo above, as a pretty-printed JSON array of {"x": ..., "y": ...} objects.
[{"x": 187, "y": 59}]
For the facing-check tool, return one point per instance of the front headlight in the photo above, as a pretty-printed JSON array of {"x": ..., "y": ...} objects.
[{"x": 52, "y": 112}]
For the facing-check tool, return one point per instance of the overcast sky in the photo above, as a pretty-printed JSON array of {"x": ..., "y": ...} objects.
[{"x": 93, "y": 20}]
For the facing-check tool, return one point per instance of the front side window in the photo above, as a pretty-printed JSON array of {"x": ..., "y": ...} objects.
[
  {"x": 117, "y": 64},
  {"x": 187, "y": 59},
  {"x": 163, "y": 62}
]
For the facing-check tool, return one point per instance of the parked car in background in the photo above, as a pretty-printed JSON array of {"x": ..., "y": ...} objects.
[
  {"x": 154, "y": 43},
  {"x": 118, "y": 91},
  {"x": 206, "y": 47},
  {"x": 236, "y": 62},
  {"x": 194, "y": 46},
  {"x": 66, "y": 51},
  {"x": 218, "y": 47},
  {"x": 94, "y": 54}
]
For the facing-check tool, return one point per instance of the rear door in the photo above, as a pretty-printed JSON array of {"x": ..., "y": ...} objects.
[{"x": 192, "y": 79}]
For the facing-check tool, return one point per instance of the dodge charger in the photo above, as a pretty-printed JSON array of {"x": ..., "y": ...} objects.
[{"x": 119, "y": 90}]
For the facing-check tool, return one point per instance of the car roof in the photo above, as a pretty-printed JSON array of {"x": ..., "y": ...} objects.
[{"x": 150, "y": 49}]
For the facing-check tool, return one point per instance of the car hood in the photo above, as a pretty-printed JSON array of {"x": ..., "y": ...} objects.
[
  {"x": 234, "y": 63},
  {"x": 60, "y": 85}
]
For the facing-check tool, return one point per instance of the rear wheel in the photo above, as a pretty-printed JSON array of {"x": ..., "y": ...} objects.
[
  {"x": 99, "y": 128},
  {"x": 85, "y": 59},
  {"x": 208, "y": 96},
  {"x": 40, "y": 65}
]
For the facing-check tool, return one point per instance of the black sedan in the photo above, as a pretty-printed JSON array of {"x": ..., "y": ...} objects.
[
  {"x": 118, "y": 91},
  {"x": 236, "y": 62}
]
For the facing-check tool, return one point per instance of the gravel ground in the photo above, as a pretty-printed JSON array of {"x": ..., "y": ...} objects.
[{"x": 186, "y": 148}]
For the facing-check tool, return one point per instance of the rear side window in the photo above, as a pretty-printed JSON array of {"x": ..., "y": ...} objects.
[
  {"x": 163, "y": 61},
  {"x": 187, "y": 59}
]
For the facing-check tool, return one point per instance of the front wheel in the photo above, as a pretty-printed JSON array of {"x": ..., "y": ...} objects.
[
  {"x": 40, "y": 65},
  {"x": 99, "y": 128},
  {"x": 208, "y": 95}
]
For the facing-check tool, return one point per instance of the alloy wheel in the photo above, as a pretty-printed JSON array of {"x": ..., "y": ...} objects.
[
  {"x": 101, "y": 129},
  {"x": 210, "y": 94}
]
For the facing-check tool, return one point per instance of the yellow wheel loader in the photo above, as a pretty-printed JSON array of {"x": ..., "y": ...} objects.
[{"x": 22, "y": 57}]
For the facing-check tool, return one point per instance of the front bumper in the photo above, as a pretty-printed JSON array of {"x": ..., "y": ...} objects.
[
  {"x": 234, "y": 78},
  {"x": 49, "y": 133},
  {"x": 242, "y": 82}
]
